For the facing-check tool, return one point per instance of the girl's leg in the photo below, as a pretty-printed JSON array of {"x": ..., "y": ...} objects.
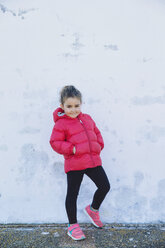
[
  {"x": 74, "y": 179},
  {"x": 99, "y": 177}
]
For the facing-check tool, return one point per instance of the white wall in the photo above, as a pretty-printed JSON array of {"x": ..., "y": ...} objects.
[{"x": 113, "y": 51}]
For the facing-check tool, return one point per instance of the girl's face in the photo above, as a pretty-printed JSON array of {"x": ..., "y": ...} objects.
[{"x": 72, "y": 107}]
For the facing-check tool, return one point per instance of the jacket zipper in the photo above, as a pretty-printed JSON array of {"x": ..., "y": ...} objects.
[{"x": 88, "y": 139}]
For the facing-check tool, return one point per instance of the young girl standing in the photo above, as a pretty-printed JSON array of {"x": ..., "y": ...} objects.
[{"x": 76, "y": 136}]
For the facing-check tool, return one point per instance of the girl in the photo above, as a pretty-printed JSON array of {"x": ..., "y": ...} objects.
[{"x": 76, "y": 136}]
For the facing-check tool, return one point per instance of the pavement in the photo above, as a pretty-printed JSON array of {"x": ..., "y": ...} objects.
[{"x": 54, "y": 236}]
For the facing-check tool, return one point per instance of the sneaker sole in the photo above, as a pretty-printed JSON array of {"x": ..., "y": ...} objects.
[
  {"x": 91, "y": 219},
  {"x": 75, "y": 238}
]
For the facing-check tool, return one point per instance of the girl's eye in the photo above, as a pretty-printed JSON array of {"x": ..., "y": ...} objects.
[{"x": 77, "y": 106}]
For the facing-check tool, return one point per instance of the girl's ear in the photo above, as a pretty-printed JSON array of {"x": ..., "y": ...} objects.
[{"x": 62, "y": 106}]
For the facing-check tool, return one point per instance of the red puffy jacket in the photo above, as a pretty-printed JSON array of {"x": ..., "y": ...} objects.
[{"x": 80, "y": 132}]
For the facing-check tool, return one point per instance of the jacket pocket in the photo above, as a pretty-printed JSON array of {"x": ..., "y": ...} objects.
[
  {"x": 96, "y": 148},
  {"x": 82, "y": 148}
]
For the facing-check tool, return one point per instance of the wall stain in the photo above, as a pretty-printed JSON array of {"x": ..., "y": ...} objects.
[
  {"x": 76, "y": 45},
  {"x": 152, "y": 134},
  {"x": 106, "y": 129},
  {"x": 139, "y": 177},
  {"x": 144, "y": 60},
  {"x": 58, "y": 174},
  {"x": 121, "y": 142},
  {"x": 148, "y": 121},
  {"x": 30, "y": 161},
  {"x": 19, "y": 71},
  {"x": 4, "y": 148},
  {"x": 128, "y": 202},
  {"x": 158, "y": 203},
  {"x": 161, "y": 187},
  {"x": 111, "y": 47},
  {"x": 1, "y": 93},
  {"x": 71, "y": 55},
  {"x": 20, "y": 13},
  {"x": 29, "y": 130},
  {"x": 148, "y": 100},
  {"x": 93, "y": 101},
  {"x": 33, "y": 94},
  {"x": 113, "y": 132},
  {"x": 138, "y": 142},
  {"x": 5, "y": 9}
]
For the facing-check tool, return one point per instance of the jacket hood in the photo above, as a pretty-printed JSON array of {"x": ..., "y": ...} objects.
[{"x": 59, "y": 114}]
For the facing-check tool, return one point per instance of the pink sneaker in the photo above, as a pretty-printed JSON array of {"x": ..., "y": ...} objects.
[
  {"x": 94, "y": 216},
  {"x": 75, "y": 232}
]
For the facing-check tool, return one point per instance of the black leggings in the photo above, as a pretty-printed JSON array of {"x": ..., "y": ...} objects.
[{"x": 74, "y": 179}]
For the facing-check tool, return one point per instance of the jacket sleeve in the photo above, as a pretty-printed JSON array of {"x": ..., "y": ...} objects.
[
  {"x": 58, "y": 143},
  {"x": 99, "y": 136}
]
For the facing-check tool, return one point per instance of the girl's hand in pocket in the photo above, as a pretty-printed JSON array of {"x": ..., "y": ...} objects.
[{"x": 74, "y": 150}]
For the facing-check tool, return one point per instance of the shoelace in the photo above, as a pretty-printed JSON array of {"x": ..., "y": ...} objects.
[
  {"x": 77, "y": 230},
  {"x": 96, "y": 217}
]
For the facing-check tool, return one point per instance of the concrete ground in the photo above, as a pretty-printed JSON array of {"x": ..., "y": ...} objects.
[{"x": 54, "y": 236}]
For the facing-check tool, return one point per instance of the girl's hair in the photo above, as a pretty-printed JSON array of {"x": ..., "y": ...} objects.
[{"x": 69, "y": 91}]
